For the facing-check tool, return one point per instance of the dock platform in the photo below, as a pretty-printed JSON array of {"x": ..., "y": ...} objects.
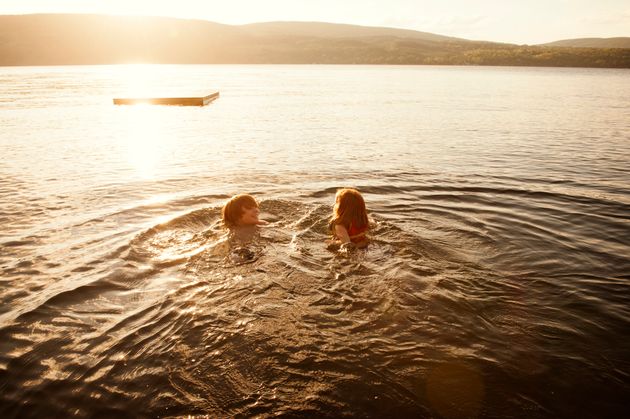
[{"x": 175, "y": 101}]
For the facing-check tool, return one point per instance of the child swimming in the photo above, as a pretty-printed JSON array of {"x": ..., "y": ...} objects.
[
  {"x": 349, "y": 223},
  {"x": 240, "y": 216},
  {"x": 241, "y": 210}
]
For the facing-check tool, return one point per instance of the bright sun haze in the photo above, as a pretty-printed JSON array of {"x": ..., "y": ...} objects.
[{"x": 519, "y": 21}]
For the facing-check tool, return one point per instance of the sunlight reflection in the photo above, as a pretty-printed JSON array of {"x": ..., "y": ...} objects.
[
  {"x": 159, "y": 199},
  {"x": 140, "y": 80},
  {"x": 145, "y": 140},
  {"x": 143, "y": 131}
]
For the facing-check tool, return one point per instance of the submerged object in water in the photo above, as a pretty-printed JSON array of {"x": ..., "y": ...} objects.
[
  {"x": 243, "y": 255},
  {"x": 180, "y": 101}
]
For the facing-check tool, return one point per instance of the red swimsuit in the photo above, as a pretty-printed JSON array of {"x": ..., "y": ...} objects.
[{"x": 357, "y": 234}]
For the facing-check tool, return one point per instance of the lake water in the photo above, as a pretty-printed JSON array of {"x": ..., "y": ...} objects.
[{"x": 497, "y": 283}]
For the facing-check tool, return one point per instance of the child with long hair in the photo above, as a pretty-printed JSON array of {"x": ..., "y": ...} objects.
[{"x": 349, "y": 223}]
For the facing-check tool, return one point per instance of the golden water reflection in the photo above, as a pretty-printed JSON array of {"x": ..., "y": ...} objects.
[
  {"x": 143, "y": 124},
  {"x": 141, "y": 80},
  {"x": 144, "y": 139}
]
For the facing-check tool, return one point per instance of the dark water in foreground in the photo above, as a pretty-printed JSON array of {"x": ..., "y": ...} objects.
[{"x": 497, "y": 283}]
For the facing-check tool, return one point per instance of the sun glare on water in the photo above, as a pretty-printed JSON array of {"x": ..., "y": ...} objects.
[
  {"x": 145, "y": 140},
  {"x": 142, "y": 133},
  {"x": 140, "y": 80}
]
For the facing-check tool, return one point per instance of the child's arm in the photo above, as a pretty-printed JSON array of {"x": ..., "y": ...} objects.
[{"x": 342, "y": 234}]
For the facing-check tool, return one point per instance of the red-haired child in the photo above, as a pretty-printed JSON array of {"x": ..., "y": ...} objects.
[
  {"x": 349, "y": 223},
  {"x": 241, "y": 210}
]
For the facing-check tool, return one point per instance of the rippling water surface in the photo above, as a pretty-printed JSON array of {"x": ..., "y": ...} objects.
[{"x": 497, "y": 283}]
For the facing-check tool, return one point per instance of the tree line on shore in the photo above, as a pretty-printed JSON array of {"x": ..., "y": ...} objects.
[
  {"x": 446, "y": 53},
  {"x": 96, "y": 39}
]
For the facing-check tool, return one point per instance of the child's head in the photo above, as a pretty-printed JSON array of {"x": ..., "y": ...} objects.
[
  {"x": 240, "y": 210},
  {"x": 349, "y": 208}
]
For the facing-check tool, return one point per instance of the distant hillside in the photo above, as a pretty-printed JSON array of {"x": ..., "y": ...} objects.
[
  {"x": 623, "y": 42},
  {"x": 338, "y": 30},
  {"x": 102, "y": 39}
]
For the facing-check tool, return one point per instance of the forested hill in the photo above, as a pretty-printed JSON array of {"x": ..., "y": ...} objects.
[
  {"x": 104, "y": 39},
  {"x": 620, "y": 42}
]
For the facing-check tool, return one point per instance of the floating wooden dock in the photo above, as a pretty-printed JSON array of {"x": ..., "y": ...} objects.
[{"x": 177, "y": 101}]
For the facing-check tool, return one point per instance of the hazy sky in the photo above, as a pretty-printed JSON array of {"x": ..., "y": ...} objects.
[{"x": 514, "y": 21}]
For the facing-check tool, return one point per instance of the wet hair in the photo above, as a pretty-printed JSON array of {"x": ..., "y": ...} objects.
[
  {"x": 233, "y": 209},
  {"x": 349, "y": 209}
]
